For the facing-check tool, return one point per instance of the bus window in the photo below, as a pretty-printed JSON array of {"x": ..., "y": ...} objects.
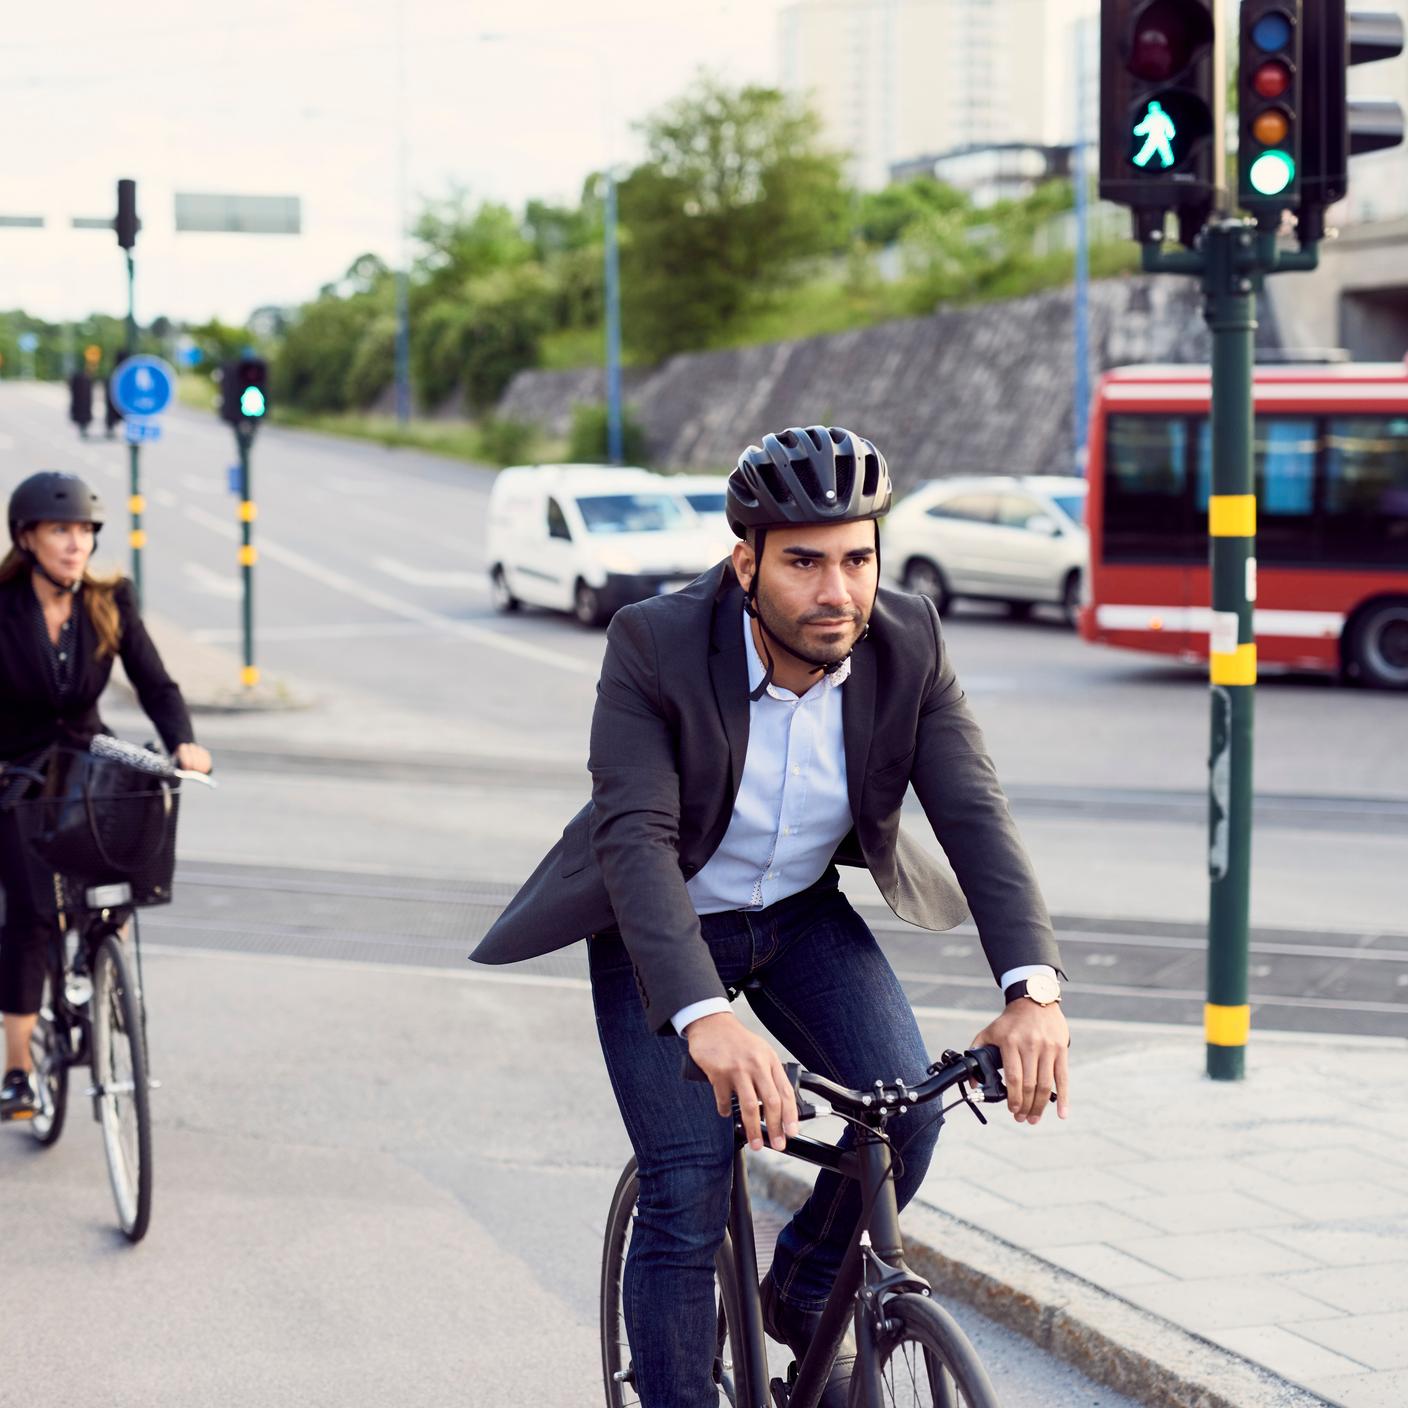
[
  {"x": 1283, "y": 459},
  {"x": 1146, "y": 517},
  {"x": 1366, "y": 489}
]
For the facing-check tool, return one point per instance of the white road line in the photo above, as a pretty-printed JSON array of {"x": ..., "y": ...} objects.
[
  {"x": 166, "y": 498},
  {"x": 203, "y": 484},
  {"x": 212, "y": 583},
  {"x": 431, "y": 577},
  {"x": 382, "y": 601}
]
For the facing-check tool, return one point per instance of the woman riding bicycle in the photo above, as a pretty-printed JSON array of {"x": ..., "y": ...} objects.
[{"x": 60, "y": 630}]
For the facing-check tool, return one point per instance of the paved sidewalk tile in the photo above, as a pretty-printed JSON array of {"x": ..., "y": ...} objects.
[
  {"x": 1105, "y": 1266},
  {"x": 1358, "y": 1290},
  {"x": 1347, "y": 1244},
  {"x": 1324, "y": 1165},
  {"x": 1291, "y": 1355},
  {"x": 1231, "y": 1302},
  {"x": 1201, "y": 1254},
  {"x": 1059, "y": 1186},
  {"x": 1210, "y": 1211},
  {"x": 1323, "y": 1202},
  {"x": 1380, "y": 1341},
  {"x": 1038, "y": 1229},
  {"x": 1385, "y": 1390}
]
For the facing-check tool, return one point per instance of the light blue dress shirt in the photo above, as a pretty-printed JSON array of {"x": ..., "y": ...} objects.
[{"x": 792, "y": 808}]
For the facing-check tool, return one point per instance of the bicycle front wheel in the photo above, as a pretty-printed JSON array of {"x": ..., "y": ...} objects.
[
  {"x": 617, "y": 1369},
  {"x": 120, "y": 1087},
  {"x": 925, "y": 1361},
  {"x": 48, "y": 1050}
]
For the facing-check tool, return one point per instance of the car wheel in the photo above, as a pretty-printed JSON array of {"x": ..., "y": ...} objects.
[
  {"x": 1379, "y": 645},
  {"x": 925, "y": 578},
  {"x": 1070, "y": 599},
  {"x": 586, "y": 606},
  {"x": 499, "y": 593},
  {"x": 1019, "y": 610}
]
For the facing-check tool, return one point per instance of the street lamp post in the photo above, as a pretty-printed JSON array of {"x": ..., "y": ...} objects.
[{"x": 403, "y": 273}]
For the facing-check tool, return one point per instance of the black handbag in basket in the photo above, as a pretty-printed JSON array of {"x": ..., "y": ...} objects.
[{"x": 104, "y": 823}]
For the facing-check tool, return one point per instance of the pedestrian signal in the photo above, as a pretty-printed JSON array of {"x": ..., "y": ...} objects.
[
  {"x": 1159, "y": 105},
  {"x": 244, "y": 392},
  {"x": 1269, "y": 108}
]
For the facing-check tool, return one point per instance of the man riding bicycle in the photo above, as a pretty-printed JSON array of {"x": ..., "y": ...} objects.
[{"x": 751, "y": 732}]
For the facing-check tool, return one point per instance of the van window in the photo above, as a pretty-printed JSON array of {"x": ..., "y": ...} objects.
[
  {"x": 632, "y": 513},
  {"x": 557, "y": 521},
  {"x": 976, "y": 508}
]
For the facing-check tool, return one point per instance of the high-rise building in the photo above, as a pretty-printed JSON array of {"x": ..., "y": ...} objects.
[{"x": 895, "y": 79}]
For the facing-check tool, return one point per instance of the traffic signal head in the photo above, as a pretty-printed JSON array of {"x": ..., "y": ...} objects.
[
  {"x": 1337, "y": 127},
  {"x": 1269, "y": 109},
  {"x": 127, "y": 223},
  {"x": 1159, "y": 107},
  {"x": 244, "y": 390}
]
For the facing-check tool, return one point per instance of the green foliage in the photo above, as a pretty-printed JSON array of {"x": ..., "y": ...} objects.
[
  {"x": 503, "y": 440},
  {"x": 314, "y": 363},
  {"x": 734, "y": 194},
  {"x": 589, "y": 438},
  {"x": 882, "y": 217},
  {"x": 219, "y": 343},
  {"x": 463, "y": 243}
]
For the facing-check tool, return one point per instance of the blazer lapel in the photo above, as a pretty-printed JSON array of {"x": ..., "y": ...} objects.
[
  {"x": 858, "y": 721},
  {"x": 728, "y": 668}
]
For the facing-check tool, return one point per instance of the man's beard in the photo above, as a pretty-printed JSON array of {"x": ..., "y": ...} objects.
[{"x": 794, "y": 639}]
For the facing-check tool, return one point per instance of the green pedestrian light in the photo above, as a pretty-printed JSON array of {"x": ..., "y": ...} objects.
[
  {"x": 1159, "y": 132},
  {"x": 1271, "y": 173},
  {"x": 252, "y": 402}
]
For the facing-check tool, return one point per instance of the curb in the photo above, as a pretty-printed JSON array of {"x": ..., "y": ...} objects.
[{"x": 1108, "y": 1339}]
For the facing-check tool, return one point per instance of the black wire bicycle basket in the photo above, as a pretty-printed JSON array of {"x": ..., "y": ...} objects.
[{"x": 101, "y": 824}]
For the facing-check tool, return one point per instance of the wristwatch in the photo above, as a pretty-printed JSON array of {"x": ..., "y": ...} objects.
[{"x": 1042, "y": 988}]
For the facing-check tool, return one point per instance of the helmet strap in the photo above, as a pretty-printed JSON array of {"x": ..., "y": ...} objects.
[{"x": 68, "y": 588}]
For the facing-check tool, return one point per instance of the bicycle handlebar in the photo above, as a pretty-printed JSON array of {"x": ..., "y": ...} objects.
[{"x": 116, "y": 750}]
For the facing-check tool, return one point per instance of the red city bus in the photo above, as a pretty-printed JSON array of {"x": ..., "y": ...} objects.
[{"x": 1331, "y": 457}]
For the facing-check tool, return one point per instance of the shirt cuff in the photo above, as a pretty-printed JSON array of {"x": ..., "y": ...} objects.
[
  {"x": 707, "y": 1008},
  {"x": 1027, "y": 970}
]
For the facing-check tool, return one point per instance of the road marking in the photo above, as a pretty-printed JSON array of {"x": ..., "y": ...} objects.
[
  {"x": 353, "y": 630},
  {"x": 202, "y": 484},
  {"x": 383, "y": 601},
  {"x": 166, "y": 498},
  {"x": 429, "y": 577},
  {"x": 212, "y": 583}
]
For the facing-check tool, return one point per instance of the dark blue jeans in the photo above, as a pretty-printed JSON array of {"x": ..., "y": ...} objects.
[{"x": 816, "y": 978}]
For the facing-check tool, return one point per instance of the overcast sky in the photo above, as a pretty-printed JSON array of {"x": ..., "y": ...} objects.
[{"x": 299, "y": 97}]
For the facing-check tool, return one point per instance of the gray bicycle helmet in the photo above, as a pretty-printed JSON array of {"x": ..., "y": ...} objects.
[
  {"x": 53, "y": 497},
  {"x": 819, "y": 474}
]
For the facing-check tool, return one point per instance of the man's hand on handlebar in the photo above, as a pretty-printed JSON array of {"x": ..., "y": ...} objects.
[
  {"x": 737, "y": 1062},
  {"x": 191, "y": 757},
  {"x": 1033, "y": 1040}
]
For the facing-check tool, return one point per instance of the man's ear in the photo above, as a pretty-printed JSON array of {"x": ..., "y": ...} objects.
[{"x": 743, "y": 563}]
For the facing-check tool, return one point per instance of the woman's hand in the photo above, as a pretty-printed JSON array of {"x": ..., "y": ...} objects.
[{"x": 191, "y": 757}]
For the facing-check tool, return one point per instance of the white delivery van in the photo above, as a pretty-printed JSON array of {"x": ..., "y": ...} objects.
[{"x": 589, "y": 539}]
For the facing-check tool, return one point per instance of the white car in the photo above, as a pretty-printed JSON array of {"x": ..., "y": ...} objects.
[
  {"x": 706, "y": 494},
  {"x": 1020, "y": 540},
  {"x": 589, "y": 539}
]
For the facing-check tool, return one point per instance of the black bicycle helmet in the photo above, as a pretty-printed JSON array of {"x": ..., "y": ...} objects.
[
  {"x": 819, "y": 474},
  {"x": 53, "y": 497}
]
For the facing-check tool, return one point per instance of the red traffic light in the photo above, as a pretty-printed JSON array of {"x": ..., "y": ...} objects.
[
  {"x": 1271, "y": 80},
  {"x": 1161, "y": 44}
]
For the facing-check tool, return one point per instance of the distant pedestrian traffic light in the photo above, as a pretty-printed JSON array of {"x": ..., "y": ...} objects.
[
  {"x": 244, "y": 391},
  {"x": 1159, "y": 107},
  {"x": 127, "y": 223},
  {"x": 1269, "y": 108}
]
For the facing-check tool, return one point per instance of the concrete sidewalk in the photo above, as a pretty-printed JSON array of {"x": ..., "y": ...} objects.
[{"x": 1190, "y": 1243}]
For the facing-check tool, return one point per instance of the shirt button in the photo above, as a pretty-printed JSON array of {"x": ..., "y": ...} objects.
[{"x": 796, "y": 772}]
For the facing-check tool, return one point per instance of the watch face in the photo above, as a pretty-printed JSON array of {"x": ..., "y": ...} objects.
[{"x": 1043, "y": 988}]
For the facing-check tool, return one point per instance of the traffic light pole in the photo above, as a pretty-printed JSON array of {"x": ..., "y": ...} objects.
[
  {"x": 136, "y": 504},
  {"x": 248, "y": 555},
  {"x": 1232, "y": 259}
]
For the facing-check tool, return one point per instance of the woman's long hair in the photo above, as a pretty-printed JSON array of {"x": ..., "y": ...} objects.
[{"x": 99, "y": 597}]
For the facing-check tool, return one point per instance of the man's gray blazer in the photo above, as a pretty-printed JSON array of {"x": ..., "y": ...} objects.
[{"x": 669, "y": 737}]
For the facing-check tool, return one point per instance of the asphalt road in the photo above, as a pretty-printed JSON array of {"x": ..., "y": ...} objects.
[{"x": 381, "y": 1175}]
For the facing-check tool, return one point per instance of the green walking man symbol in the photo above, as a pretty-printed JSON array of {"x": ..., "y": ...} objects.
[{"x": 1158, "y": 130}]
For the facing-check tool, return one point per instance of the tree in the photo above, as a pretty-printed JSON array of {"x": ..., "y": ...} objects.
[
  {"x": 735, "y": 193},
  {"x": 883, "y": 216}
]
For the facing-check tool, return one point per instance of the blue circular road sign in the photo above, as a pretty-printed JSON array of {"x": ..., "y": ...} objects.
[{"x": 143, "y": 386}]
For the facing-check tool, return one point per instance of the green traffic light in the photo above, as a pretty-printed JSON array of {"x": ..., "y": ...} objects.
[
  {"x": 1271, "y": 173},
  {"x": 1158, "y": 130},
  {"x": 251, "y": 402}
]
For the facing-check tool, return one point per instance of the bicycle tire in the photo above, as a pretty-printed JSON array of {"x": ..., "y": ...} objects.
[
  {"x": 47, "y": 1050},
  {"x": 925, "y": 1360},
  {"x": 615, "y": 1351},
  {"x": 121, "y": 1090}
]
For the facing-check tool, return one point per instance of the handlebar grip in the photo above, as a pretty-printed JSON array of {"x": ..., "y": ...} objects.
[
  {"x": 989, "y": 1060},
  {"x": 805, "y": 1109}
]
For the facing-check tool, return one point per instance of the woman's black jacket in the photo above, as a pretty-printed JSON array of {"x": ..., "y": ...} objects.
[{"x": 32, "y": 716}]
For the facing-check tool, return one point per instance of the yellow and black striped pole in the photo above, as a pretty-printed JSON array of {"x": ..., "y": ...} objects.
[
  {"x": 1231, "y": 318},
  {"x": 248, "y": 555}
]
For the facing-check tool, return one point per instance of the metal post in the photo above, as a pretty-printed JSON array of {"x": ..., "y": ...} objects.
[
  {"x": 1230, "y": 290},
  {"x": 403, "y": 273},
  {"x": 135, "y": 502},
  {"x": 615, "y": 438},
  {"x": 244, "y": 437},
  {"x": 1080, "y": 409}
]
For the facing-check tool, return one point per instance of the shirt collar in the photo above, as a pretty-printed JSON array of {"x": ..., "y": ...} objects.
[{"x": 757, "y": 669}]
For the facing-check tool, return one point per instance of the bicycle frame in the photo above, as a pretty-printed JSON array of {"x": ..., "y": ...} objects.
[{"x": 873, "y": 1269}]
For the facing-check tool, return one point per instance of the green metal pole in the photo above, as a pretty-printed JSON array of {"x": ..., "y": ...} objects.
[
  {"x": 135, "y": 503},
  {"x": 244, "y": 436},
  {"x": 1229, "y": 284}
]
